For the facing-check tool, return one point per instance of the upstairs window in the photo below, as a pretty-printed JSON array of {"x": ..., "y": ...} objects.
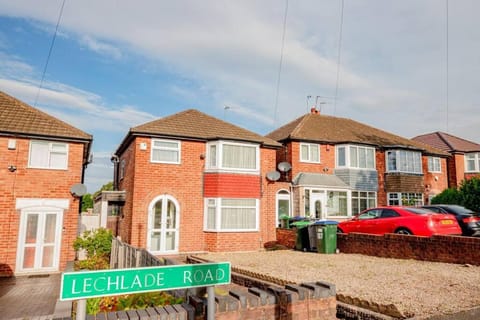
[
  {"x": 309, "y": 152},
  {"x": 231, "y": 156},
  {"x": 356, "y": 157},
  {"x": 404, "y": 161},
  {"x": 165, "y": 151},
  {"x": 434, "y": 164},
  {"x": 48, "y": 155},
  {"x": 472, "y": 162}
]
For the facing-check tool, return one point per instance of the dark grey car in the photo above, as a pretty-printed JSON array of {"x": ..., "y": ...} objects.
[{"x": 468, "y": 220}]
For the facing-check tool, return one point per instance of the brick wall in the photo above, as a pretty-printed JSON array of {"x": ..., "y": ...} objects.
[
  {"x": 434, "y": 182},
  {"x": 188, "y": 183},
  {"x": 35, "y": 183},
  {"x": 327, "y": 160},
  {"x": 449, "y": 249}
]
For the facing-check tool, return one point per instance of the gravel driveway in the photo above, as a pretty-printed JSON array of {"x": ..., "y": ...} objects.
[{"x": 415, "y": 287}]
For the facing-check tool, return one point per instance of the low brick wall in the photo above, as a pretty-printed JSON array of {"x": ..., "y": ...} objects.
[
  {"x": 449, "y": 249},
  {"x": 259, "y": 296}
]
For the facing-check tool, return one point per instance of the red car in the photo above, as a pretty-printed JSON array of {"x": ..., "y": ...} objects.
[{"x": 402, "y": 220}]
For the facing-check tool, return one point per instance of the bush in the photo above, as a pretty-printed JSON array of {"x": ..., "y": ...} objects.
[
  {"x": 470, "y": 192},
  {"x": 98, "y": 246},
  {"x": 448, "y": 196}
]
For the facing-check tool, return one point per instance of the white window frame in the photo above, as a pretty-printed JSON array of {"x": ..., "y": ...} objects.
[
  {"x": 309, "y": 146},
  {"x": 178, "y": 149},
  {"x": 475, "y": 157},
  {"x": 349, "y": 156},
  {"x": 214, "y": 160},
  {"x": 403, "y": 198},
  {"x": 217, "y": 204},
  {"x": 405, "y": 161},
  {"x": 370, "y": 195},
  {"x": 284, "y": 195},
  {"x": 50, "y": 145},
  {"x": 434, "y": 164}
]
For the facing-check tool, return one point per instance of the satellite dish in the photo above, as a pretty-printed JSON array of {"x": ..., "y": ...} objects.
[
  {"x": 273, "y": 175},
  {"x": 78, "y": 190},
  {"x": 284, "y": 166}
]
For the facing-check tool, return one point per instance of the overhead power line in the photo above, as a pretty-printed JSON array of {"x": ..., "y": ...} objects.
[
  {"x": 280, "y": 64},
  {"x": 337, "y": 83},
  {"x": 49, "y": 53}
]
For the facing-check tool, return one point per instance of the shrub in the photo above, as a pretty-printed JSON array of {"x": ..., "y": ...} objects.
[
  {"x": 470, "y": 193},
  {"x": 448, "y": 196},
  {"x": 98, "y": 245}
]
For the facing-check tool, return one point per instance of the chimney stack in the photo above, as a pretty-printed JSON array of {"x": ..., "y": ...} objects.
[{"x": 314, "y": 110}]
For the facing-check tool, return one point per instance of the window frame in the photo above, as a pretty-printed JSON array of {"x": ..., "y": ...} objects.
[
  {"x": 155, "y": 148},
  {"x": 348, "y": 157},
  {"x": 309, "y": 146},
  {"x": 404, "y": 160},
  {"x": 214, "y": 162},
  {"x": 50, "y": 152},
  {"x": 398, "y": 198},
  {"x": 432, "y": 164},
  {"x": 217, "y": 205},
  {"x": 356, "y": 198},
  {"x": 475, "y": 157}
]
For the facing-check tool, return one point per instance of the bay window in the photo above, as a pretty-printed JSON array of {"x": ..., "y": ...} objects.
[
  {"x": 357, "y": 157},
  {"x": 232, "y": 156},
  {"x": 224, "y": 214},
  {"x": 404, "y": 161},
  {"x": 472, "y": 162}
]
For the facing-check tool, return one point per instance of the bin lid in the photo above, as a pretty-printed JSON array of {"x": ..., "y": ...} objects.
[
  {"x": 325, "y": 222},
  {"x": 301, "y": 223}
]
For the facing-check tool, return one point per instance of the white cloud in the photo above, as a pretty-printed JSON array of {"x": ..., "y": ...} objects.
[{"x": 100, "y": 47}]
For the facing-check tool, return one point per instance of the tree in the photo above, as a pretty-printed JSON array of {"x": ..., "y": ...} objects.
[
  {"x": 87, "y": 202},
  {"x": 106, "y": 187},
  {"x": 470, "y": 193}
]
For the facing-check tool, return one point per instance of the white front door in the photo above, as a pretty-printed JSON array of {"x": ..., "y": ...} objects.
[
  {"x": 317, "y": 204},
  {"x": 163, "y": 225},
  {"x": 39, "y": 240}
]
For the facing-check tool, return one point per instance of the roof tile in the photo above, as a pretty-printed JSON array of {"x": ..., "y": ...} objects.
[
  {"x": 335, "y": 130},
  {"x": 447, "y": 142},
  {"x": 17, "y": 117}
]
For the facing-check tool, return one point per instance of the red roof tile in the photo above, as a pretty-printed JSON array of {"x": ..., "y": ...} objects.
[
  {"x": 194, "y": 125},
  {"x": 447, "y": 142},
  {"x": 334, "y": 130},
  {"x": 17, "y": 117}
]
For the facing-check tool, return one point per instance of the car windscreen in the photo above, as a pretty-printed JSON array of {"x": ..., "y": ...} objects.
[{"x": 418, "y": 210}]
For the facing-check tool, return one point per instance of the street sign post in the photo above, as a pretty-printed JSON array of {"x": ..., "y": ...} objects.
[{"x": 100, "y": 283}]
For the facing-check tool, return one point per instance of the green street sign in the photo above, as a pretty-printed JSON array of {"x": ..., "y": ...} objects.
[{"x": 100, "y": 283}]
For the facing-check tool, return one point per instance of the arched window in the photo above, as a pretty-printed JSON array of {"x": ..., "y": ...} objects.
[{"x": 163, "y": 223}]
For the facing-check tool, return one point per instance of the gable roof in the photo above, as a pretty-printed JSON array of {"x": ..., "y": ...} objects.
[
  {"x": 21, "y": 119},
  {"x": 195, "y": 125},
  {"x": 447, "y": 142},
  {"x": 320, "y": 128}
]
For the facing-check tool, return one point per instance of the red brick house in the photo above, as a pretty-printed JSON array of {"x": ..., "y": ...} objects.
[
  {"x": 195, "y": 183},
  {"x": 464, "y": 160},
  {"x": 340, "y": 167},
  {"x": 41, "y": 158}
]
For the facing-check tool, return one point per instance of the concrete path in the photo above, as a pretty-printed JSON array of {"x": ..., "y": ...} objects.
[{"x": 30, "y": 297}]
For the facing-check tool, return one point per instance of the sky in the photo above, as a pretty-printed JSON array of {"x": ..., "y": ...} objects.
[{"x": 400, "y": 66}]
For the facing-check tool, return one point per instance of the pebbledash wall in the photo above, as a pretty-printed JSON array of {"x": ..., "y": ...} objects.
[{"x": 448, "y": 249}]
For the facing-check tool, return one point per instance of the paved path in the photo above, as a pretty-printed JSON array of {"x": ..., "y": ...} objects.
[{"x": 29, "y": 297}]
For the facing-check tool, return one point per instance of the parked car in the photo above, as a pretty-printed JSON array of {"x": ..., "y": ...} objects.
[
  {"x": 402, "y": 220},
  {"x": 468, "y": 220}
]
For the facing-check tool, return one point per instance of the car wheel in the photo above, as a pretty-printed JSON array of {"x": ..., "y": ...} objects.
[{"x": 403, "y": 231}]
